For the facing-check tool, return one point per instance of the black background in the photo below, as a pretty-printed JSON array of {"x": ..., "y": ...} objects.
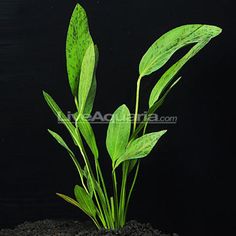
[{"x": 187, "y": 184}]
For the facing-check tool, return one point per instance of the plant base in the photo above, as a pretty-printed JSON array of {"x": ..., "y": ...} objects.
[{"x": 75, "y": 228}]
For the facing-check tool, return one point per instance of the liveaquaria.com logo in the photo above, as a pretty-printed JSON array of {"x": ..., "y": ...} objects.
[{"x": 99, "y": 118}]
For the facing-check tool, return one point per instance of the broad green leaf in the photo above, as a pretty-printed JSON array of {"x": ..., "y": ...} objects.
[
  {"x": 68, "y": 199},
  {"x": 60, "y": 140},
  {"x": 168, "y": 76},
  {"x": 161, "y": 51},
  {"x": 86, "y": 76},
  {"x": 140, "y": 147},
  {"x": 77, "y": 42},
  {"x": 118, "y": 132},
  {"x": 85, "y": 201},
  {"x": 92, "y": 92},
  {"x": 88, "y": 134},
  {"x": 62, "y": 118}
]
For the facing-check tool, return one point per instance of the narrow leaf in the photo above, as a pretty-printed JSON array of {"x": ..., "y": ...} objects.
[
  {"x": 90, "y": 186},
  {"x": 118, "y": 132},
  {"x": 140, "y": 147},
  {"x": 132, "y": 164},
  {"x": 58, "y": 112},
  {"x": 86, "y": 76},
  {"x": 168, "y": 76},
  {"x": 59, "y": 139},
  {"x": 62, "y": 118},
  {"x": 69, "y": 199},
  {"x": 154, "y": 108},
  {"x": 73, "y": 202},
  {"x": 92, "y": 92},
  {"x": 85, "y": 201},
  {"x": 77, "y": 42},
  {"x": 88, "y": 134},
  {"x": 161, "y": 51}
]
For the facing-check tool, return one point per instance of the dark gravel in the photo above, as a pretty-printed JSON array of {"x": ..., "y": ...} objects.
[{"x": 75, "y": 228}]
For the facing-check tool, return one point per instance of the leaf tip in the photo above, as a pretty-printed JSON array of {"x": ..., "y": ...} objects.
[
  {"x": 49, "y": 131},
  {"x": 164, "y": 131},
  {"x": 44, "y": 92},
  {"x": 124, "y": 106}
]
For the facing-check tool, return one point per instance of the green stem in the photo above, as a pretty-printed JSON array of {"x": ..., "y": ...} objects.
[
  {"x": 97, "y": 172},
  {"x": 76, "y": 103},
  {"x": 90, "y": 173},
  {"x": 115, "y": 198},
  {"x": 79, "y": 169},
  {"x": 137, "y": 103},
  {"x": 123, "y": 208},
  {"x": 123, "y": 194},
  {"x": 102, "y": 218},
  {"x": 95, "y": 222},
  {"x": 104, "y": 187},
  {"x": 112, "y": 209},
  {"x": 132, "y": 187},
  {"x": 104, "y": 199},
  {"x": 91, "y": 176},
  {"x": 150, "y": 112}
]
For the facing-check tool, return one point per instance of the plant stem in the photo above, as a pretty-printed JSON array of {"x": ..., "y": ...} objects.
[
  {"x": 115, "y": 198},
  {"x": 104, "y": 199},
  {"x": 104, "y": 187},
  {"x": 95, "y": 222},
  {"x": 122, "y": 208},
  {"x": 91, "y": 176},
  {"x": 102, "y": 218},
  {"x": 122, "y": 217},
  {"x": 76, "y": 103},
  {"x": 112, "y": 208},
  {"x": 90, "y": 173},
  {"x": 137, "y": 103},
  {"x": 132, "y": 187},
  {"x": 79, "y": 169}
]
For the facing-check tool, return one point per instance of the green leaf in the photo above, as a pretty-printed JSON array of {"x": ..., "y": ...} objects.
[
  {"x": 168, "y": 76},
  {"x": 86, "y": 77},
  {"x": 77, "y": 42},
  {"x": 153, "y": 109},
  {"x": 159, "y": 103},
  {"x": 69, "y": 199},
  {"x": 60, "y": 141},
  {"x": 140, "y": 147},
  {"x": 62, "y": 118},
  {"x": 90, "y": 186},
  {"x": 85, "y": 201},
  {"x": 58, "y": 112},
  {"x": 132, "y": 164},
  {"x": 161, "y": 51},
  {"x": 92, "y": 92},
  {"x": 88, "y": 134},
  {"x": 118, "y": 132}
]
